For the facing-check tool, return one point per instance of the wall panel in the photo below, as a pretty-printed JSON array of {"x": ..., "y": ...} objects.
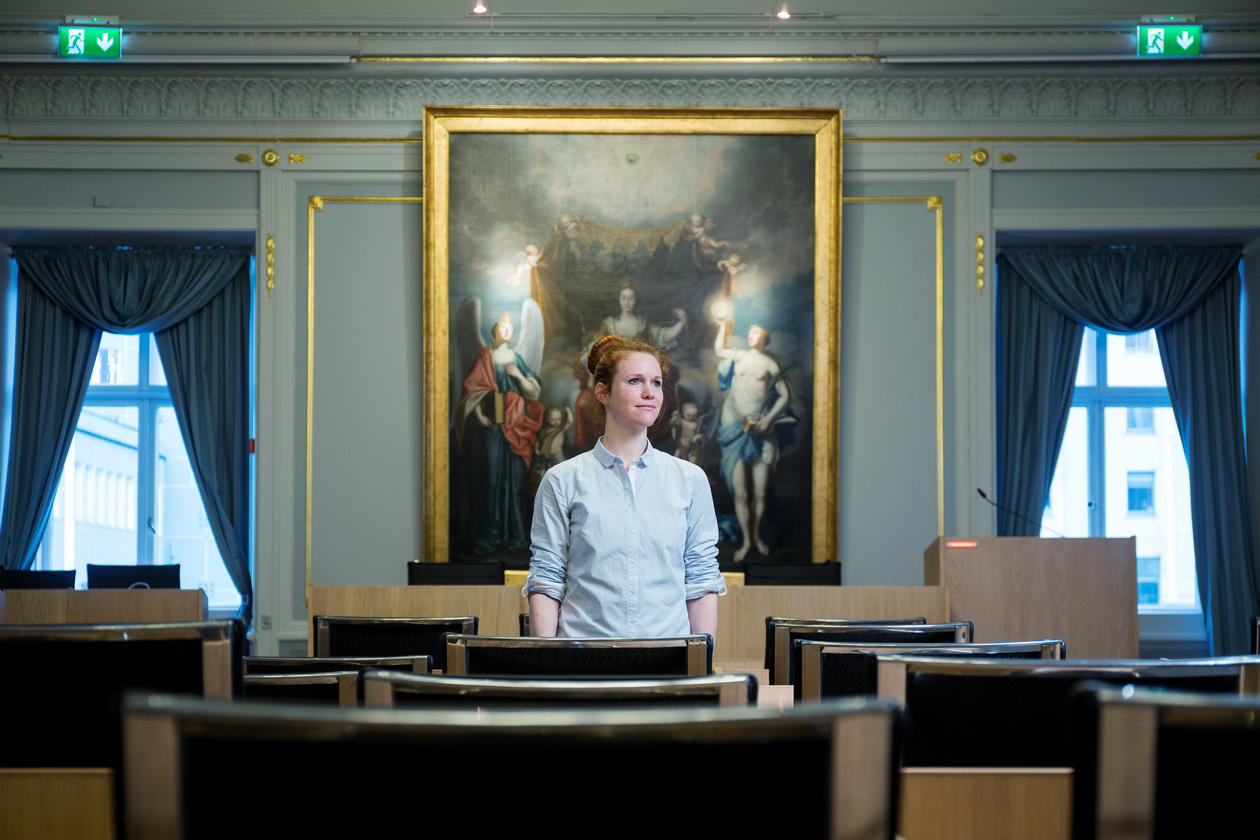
[{"x": 365, "y": 386}]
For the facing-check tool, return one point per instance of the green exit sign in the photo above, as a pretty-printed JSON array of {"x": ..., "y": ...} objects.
[
  {"x": 1170, "y": 40},
  {"x": 89, "y": 42}
]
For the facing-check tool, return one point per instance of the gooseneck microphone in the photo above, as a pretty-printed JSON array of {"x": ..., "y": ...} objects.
[{"x": 1037, "y": 525}]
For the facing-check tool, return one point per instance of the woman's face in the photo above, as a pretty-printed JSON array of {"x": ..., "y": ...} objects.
[
  {"x": 502, "y": 332},
  {"x": 627, "y": 299},
  {"x": 634, "y": 397}
]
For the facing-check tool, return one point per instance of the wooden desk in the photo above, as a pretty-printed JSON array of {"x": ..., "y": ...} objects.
[
  {"x": 741, "y": 612},
  {"x": 986, "y": 803},
  {"x": 56, "y": 803},
  {"x": 105, "y": 606}
]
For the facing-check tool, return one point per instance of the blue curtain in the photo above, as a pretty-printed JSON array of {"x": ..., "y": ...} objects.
[
  {"x": 189, "y": 297},
  {"x": 1032, "y": 409},
  {"x": 1189, "y": 295},
  {"x": 206, "y": 358},
  {"x": 52, "y": 363}
]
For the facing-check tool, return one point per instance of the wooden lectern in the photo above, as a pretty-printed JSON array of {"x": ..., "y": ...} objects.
[{"x": 1083, "y": 591}]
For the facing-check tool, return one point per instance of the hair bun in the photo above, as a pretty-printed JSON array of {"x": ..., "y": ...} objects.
[{"x": 599, "y": 348}]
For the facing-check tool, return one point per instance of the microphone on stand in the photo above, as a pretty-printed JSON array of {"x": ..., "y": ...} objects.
[{"x": 1016, "y": 513}]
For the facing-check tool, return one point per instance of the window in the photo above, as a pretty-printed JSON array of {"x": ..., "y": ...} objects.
[
  {"x": 1148, "y": 580},
  {"x": 1141, "y": 492},
  {"x": 1142, "y": 342},
  {"x": 1122, "y": 469},
  {"x": 1140, "y": 419},
  {"x": 127, "y": 493}
]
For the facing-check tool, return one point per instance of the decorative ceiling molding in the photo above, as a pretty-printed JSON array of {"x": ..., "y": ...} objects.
[
  {"x": 225, "y": 99},
  {"x": 1012, "y": 38}
]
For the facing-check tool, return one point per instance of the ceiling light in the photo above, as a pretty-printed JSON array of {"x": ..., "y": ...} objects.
[
  {"x": 480, "y": 7},
  {"x": 782, "y": 13}
]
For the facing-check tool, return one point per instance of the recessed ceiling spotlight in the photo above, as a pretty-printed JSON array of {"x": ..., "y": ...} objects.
[
  {"x": 783, "y": 13},
  {"x": 480, "y": 8}
]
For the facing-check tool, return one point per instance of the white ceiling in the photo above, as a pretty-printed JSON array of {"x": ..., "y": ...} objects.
[{"x": 421, "y": 14}]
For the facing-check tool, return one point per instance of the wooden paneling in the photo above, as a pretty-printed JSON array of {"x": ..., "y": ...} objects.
[
  {"x": 37, "y": 606},
  {"x": 105, "y": 606},
  {"x": 497, "y": 608},
  {"x": 741, "y": 612},
  {"x": 57, "y": 803},
  {"x": 100, "y": 606},
  {"x": 748, "y": 607},
  {"x": 986, "y": 803},
  {"x": 1083, "y": 591}
]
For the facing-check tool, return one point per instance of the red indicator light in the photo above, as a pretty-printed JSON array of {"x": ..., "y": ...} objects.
[{"x": 961, "y": 543}]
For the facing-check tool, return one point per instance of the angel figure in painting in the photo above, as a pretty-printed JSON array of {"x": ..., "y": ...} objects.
[
  {"x": 705, "y": 245},
  {"x": 730, "y": 268},
  {"x": 549, "y": 445},
  {"x": 758, "y": 399},
  {"x": 496, "y": 422},
  {"x": 688, "y": 429},
  {"x": 526, "y": 265}
]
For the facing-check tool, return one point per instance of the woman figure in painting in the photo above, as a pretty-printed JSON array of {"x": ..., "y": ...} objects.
[
  {"x": 633, "y": 327},
  {"x": 624, "y": 538},
  {"x": 496, "y": 421}
]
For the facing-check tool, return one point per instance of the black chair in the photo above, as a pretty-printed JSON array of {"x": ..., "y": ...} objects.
[
  {"x": 337, "y": 635},
  {"x": 63, "y": 683},
  {"x": 838, "y": 763},
  {"x": 791, "y": 574},
  {"x": 1151, "y": 763},
  {"x": 1010, "y": 713},
  {"x": 783, "y": 634},
  {"x": 313, "y": 664},
  {"x": 100, "y": 576},
  {"x": 773, "y": 622},
  {"x": 513, "y": 656},
  {"x": 847, "y": 669},
  {"x": 33, "y": 579},
  {"x": 386, "y": 689},
  {"x": 337, "y": 687},
  {"x": 455, "y": 574}
]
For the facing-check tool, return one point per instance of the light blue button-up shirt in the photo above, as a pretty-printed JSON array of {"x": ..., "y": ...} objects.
[{"x": 623, "y": 557}]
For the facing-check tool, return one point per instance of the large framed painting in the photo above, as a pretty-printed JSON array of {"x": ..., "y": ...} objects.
[{"x": 712, "y": 233}]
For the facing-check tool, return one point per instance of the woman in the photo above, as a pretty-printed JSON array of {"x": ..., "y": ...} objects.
[{"x": 624, "y": 539}]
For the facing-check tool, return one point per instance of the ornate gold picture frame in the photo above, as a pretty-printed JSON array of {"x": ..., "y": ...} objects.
[{"x": 714, "y": 233}]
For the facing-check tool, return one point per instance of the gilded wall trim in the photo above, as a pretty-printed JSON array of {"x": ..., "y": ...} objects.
[
  {"x": 314, "y": 204},
  {"x": 935, "y": 205}
]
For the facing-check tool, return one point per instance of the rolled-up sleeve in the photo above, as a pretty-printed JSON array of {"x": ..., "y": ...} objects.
[
  {"x": 549, "y": 541},
  {"x": 700, "y": 567}
]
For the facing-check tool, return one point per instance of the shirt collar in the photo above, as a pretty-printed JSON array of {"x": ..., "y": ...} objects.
[{"x": 607, "y": 459}]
